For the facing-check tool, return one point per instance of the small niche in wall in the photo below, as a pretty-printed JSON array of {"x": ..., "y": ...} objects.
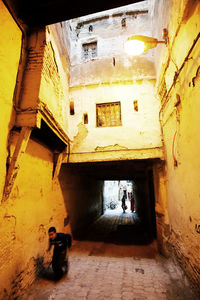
[
  {"x": 123, "y": 22},
  {"x": 135, "y": 105},
  {"x": 71, "y": 108},
  {"x": 85, "y": 118}
]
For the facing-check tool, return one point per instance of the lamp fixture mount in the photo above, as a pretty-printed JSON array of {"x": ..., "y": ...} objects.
[{"x": 137, "y": 44}]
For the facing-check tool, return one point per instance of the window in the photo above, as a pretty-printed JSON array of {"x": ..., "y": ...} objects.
[
  {"x": 123, "y": 22},
  {"x": 89, "y": 50},
  {"x": 108, "y": 114}
]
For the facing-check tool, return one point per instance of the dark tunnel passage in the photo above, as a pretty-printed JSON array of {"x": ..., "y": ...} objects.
[{"x": 83, "y": 187}]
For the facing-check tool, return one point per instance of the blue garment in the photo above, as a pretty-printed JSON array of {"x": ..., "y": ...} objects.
[
  {"x": 61, "y": 243},
  {"x": 59, "y": 260}
]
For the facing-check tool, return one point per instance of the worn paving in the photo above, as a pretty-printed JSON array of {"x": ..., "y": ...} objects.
[{"x": 102, "y": 270}]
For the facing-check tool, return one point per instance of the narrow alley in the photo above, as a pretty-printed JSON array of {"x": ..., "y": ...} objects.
[
  {"x": 99, "y": 150},
  {"x": 104, "y": 270}
]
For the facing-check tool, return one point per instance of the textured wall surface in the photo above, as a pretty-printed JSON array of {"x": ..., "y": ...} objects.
[
  {"x": 54, "y": 85},
  {"x": 179, "y": 88},
  {"x": 111, "y": 62},
  {"x": 139, "y": 129},
  {"x": 35, "y": 204},
  {"x": 36, "y": 201},
  {"x": 10, "y": 48},
  {"x": 112, "y": 76}
]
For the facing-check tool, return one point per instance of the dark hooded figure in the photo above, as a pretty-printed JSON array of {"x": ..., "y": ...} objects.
[{"x": 124, "y": 207}]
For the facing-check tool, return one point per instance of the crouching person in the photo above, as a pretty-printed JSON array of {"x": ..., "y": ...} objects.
[{"x": 61, "y": 242}]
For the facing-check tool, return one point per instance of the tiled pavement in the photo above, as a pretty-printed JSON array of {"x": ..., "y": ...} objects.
[{"x": 100, "y": 270}]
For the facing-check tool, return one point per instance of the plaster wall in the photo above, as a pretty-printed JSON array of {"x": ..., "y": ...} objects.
[
  {"x": 111, "y": 62},
  {"x": 35, "y": 203},
  {"x": 179, "y": 88},
  {"x": 109, "y": 77},
  {"x": 46, "y": 75},
  {"x": 139, "y": 130},
  {"x": 10, "y": 49},
  {"x": 107, "y": 28},
  {"x": 54, "y": 85}
]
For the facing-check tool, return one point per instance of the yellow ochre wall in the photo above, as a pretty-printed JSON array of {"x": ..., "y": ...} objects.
[
  {"x": 179, "y": 89},
  {"x": 54, "y": 85},
  {"x": 10, "y": 49},
  {"x": 36, "y": 201},
  {"x": 35, "y": 204},
  {"x": 139, "y": 135}
]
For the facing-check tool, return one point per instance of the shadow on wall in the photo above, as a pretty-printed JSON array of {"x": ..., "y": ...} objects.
[
  {"x": 83, "y": 197},
  {"x": 43, "y": 270},
  {"x": 34, "y": 270}
]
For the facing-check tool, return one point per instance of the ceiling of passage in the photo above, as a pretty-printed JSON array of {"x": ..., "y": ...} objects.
[{"x": 45, "y": 12}]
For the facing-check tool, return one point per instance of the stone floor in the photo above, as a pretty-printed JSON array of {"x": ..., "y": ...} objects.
[{"x": 107, "y": 270}]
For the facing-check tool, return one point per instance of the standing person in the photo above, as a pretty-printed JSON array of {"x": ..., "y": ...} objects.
[
  {"x": 124, "y": 207},
  {"x": 132, "y": 203},
  {"x": 61, "y": 242}
]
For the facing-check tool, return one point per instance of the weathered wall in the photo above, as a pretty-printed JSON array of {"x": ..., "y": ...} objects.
[
  {"x": 179, "y": 89},
  {"x": 54, "y": 85},
  {"x": 111, "y": 63},
  {"x": 36, "y": 201},
  {"x": 140, "y": 129},
  {"x": 83, "y": 196},
  {"x": 46, "y": 75},
  {"x": 10, "y": 49},
  {"x": 161, "y": 209},
  {"x": 113, "y": 76}
]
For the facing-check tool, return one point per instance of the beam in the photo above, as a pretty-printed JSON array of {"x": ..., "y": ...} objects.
[
  {"x": 13, "y": 169},
  {"x": 45, "y": 12},
  {"x": 58, "y": 159}
]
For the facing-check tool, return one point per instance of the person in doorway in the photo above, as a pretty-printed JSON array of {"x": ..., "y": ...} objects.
[
  {"x": 132, "y": 203},
  {"x": 61, "y": 242},
  {"x": 124, "y": 207}
]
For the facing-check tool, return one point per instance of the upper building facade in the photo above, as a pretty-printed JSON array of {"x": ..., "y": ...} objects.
[{"x": 114, "y": 114}]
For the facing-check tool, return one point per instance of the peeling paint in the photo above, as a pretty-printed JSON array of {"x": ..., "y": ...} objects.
[
  {"x": 179, "y": 237},
  {"x": 110, "y": 147},
  {"x": 42, "y": 233},
  {"x": 196, "y": 79},
  {"x": 80, "y": 137}
]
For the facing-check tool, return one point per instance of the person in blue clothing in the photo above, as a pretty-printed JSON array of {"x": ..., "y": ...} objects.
[{"x": 60, "y": 241}]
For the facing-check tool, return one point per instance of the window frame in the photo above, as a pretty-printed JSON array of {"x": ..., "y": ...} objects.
[
  {"x": 109, "y": 104},
  {"x": 89, "y": 50}
]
